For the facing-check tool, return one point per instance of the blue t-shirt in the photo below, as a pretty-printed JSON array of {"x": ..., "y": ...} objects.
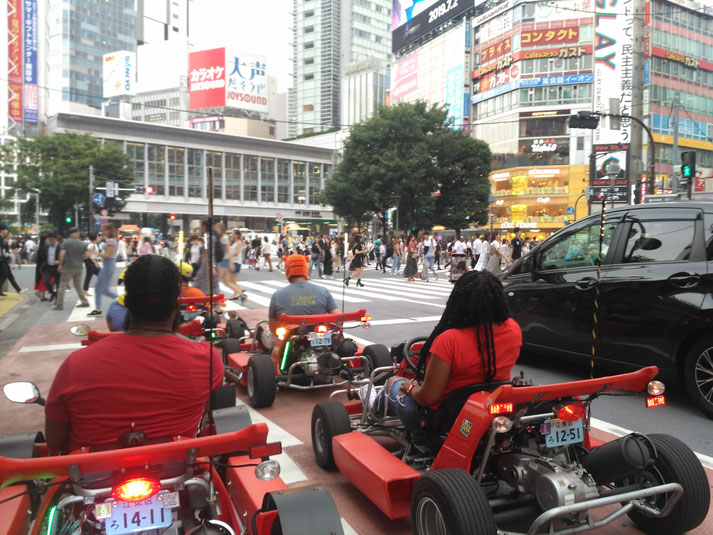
[
  {"x": 115, "y": 316},
  {"x": 301, "y": 299}
]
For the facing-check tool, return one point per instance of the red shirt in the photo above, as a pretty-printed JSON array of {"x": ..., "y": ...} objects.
[
  {"x": 459, "y": 348},
  {"x": 159, "y": 382}
]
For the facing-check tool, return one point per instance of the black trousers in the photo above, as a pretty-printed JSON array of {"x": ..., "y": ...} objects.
[
  {"x": 90, "y": 270},
  {"x": 6, "y": 275},
  {"x": 49, "y": 273}
]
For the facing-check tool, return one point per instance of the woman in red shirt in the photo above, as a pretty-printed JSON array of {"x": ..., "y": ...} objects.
[{"x": 476, "y": 341}]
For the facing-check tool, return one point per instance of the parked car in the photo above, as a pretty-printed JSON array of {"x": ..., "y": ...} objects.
[{"x": 655, "y": 305}]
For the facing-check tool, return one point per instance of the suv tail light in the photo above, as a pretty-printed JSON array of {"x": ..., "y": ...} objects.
[
  {"x": 570, "y": 412},
  {"x": 136, "y": 490}
]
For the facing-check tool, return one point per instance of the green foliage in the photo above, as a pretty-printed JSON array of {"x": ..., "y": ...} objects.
[
  {"x": 398, "y": 158},
  {"x": 57, "y": 167}
]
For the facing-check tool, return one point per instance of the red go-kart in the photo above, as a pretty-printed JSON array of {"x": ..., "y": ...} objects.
[
  {"x": 509, "y": 455},
  {"x": 222, "y": 483},
  {"x": 311, "y": 351}
]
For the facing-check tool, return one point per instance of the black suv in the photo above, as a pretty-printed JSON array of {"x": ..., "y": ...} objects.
[{"x": 655, "y": 301}]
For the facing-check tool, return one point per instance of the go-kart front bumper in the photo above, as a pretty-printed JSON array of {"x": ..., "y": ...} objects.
[{"x": 287, "y": 380}]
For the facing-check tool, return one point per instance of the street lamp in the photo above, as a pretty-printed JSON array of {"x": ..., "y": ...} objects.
[{"x": 491, "y": 200}]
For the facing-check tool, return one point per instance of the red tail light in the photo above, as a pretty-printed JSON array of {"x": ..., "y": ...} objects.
[
  {"x": 191, "y": 308},
  {"x": 136, "y": 490},
  {"x": 500, "y": 408},
  {"x": 321, "y": 329},
  {"x": 655, "y": 401},
  {"x": 570, "y": 412},
  {"x": 265, "y": 450},
  {"x": 365, "y": 319}
]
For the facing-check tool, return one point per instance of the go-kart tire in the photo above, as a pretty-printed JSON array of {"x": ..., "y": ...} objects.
[
  {"x": 450, "y": 501},
  {"x": 697, "y": 367},
  {"x": 260, "y": 381},
  {"x": 235, "y": 328},
  {"x": 378, "y": 356},
  {"x": 675, "y": 463},
  {"x": 230, "y": 345},
  {"x": 329, "y": 419}
]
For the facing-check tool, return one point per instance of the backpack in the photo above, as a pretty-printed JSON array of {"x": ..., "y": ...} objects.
[{"x": 218, "y": 249}]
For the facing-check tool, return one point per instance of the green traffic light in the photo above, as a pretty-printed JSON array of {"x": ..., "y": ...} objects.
[
  {"x": 686, "y": 171},
  {"x": 68, "y": 219}
]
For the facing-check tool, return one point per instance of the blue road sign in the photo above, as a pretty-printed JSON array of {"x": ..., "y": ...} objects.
[
  {"x": 570, "y": 210},
  {"x": 98, "y": 199}
]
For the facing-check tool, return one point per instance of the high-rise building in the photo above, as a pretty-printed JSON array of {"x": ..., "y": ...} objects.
[
  {"x": 161, "y": 20},
  {"x": 79, "y": 33},
  {"x": 329, "y": 36}
]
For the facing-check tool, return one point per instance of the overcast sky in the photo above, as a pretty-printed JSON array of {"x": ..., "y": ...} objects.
[{"x": 258, "y": 26}]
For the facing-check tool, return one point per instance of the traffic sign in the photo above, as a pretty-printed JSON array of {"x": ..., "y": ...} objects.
[
  {"x": 104, "y": 212},
  {"x": 278, "y": 216},
  {"x": 111, "y": 188},
  {"x": 98, "y": 199},
  {"x": 570, "y": 210}
]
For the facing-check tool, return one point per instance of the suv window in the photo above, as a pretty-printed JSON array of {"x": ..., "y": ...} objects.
[
  {"x": 578, "y": 249},
  {"x": 659, "y": 240}
]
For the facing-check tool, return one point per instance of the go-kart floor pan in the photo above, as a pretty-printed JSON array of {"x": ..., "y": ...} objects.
[{"x": 380, "y": 476}]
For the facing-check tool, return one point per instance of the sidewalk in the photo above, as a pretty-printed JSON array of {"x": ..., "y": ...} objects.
[{"x": 7, "y": 303}]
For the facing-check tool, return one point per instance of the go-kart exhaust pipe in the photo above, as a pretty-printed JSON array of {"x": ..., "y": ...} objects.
[{"x": 619, "y": 459}]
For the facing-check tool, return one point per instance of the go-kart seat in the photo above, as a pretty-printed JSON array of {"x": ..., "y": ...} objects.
[{"x": 440, "y": 421}]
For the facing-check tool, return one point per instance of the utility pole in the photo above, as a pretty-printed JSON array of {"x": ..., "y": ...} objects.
[
  {"x": 90, "y": 226},
  {"x": 674, "y": 150},
  {"x": 637, "y": 96}
]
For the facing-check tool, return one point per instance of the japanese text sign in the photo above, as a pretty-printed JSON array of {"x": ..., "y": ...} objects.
[{"x": 549, "y": 37}]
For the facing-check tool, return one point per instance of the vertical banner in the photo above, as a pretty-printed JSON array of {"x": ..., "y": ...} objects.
[
  {"x": 30, "y": 60},
  {"x": 613, "y": 66},
  {"x": 14, "y": 58}
]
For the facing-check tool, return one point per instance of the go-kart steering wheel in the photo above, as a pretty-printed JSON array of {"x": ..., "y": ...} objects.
[{"x": 412, "y": 357}]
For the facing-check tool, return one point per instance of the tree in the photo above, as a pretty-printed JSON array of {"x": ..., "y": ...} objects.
[
  {"x": 57, "y": 167},
  {"x": 398, "y": 158}
]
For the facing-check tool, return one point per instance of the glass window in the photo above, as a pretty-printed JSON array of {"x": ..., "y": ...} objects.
[
  {"x": 175, "y": 171},
  {"x": 136, "y": 152},
  {"x": 215, "y": 160},
  {"x": 157, "y": 168},
  {"x": 232, "y": 177},
  {"x": 659, "y": 241},
  {"x": 300, "y": 182},
  {"x": 267, "y": 180},
  {"x": 250, "y": 178},
  {"x": 195, "y": 172},
  {"x": 315, "y": 182},
  {"x": 578, "y": 249},
  {"x": 283, "y": 181}
]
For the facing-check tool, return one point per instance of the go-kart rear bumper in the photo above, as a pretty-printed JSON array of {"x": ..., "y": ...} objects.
[{"x": 629, "y": 501}]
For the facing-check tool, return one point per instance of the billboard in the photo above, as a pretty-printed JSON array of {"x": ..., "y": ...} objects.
[
  {"x": 555, "y": 36},
  {"x": 562, "y": 9},
  {"x": 617, "y": 185},
  {"x": 29, "y": 28},
  {"x": 412, "y": 19},
  {"x": 246, "y": 82},
  {"x": 206, "y": 78},
  {"x": 14, "y": 59},
  {"x": 404, "y": 77},
  {"x": 613, "y": 67},
  {"x": 119, "y": 73}
]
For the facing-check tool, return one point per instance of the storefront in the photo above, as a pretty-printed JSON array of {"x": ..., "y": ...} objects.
[{"x": 539, "y": 200}]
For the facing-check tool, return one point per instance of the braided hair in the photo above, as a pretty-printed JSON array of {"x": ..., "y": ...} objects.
[{"x": 477, "y": 299}]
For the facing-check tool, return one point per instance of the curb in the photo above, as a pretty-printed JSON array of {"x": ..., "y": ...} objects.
[{"x": 8, "y": 317}]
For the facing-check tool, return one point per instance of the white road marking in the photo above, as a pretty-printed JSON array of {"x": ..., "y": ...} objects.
[
  {"x": 256, "y": 298},
  {"x": 53, "y": 347},
  {"x": 8, "y": 321},
  {"x": 79, "y": 315},
  {"x": 348, "y": 530},
  {"x": 337, "y": 296},
  {"x": 409, "y": 289},
  {"x": 375, "y": 293}
]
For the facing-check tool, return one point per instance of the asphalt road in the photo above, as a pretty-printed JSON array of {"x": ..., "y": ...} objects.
[{"x": 400, "y": 311}]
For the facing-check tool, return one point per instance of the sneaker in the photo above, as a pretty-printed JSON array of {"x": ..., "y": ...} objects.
[
  {"x": 83, "y": 305},
  {"x": 95, "y": 313},
  {"x": 56, "y": 307}
]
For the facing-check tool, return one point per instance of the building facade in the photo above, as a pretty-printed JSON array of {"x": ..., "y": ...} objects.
[
  {"x": 329, "y": 36},
  {"x": 257, "y": 182}
]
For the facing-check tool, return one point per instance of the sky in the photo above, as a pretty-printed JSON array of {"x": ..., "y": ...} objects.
[{"x": 257, "y": 26}]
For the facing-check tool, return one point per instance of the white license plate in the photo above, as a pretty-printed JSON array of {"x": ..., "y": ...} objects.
[
  {"x": 562, "y": 433},
  {"x": 320, "y": 340},
  {"x": 126, "y": 517}
]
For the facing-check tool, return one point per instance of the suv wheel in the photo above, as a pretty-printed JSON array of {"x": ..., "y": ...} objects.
[{"x": 698, "y": 374}]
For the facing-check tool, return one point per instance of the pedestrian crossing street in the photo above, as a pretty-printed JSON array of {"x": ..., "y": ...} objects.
[{"x": 385, "y": 288}]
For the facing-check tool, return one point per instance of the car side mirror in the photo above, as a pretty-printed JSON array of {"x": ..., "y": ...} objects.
[{"x": 22, "y": 392}]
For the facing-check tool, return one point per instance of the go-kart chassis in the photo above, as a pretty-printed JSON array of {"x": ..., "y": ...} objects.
[{"x": 287, "y": 380}]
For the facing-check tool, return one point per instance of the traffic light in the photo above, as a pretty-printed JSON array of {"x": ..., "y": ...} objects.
[
  {"x": 68, "y": 219},
  {"x": 149, "y": 189},
  {"x": 172, "y": 217},
  {"x": 584, "y": 119},
  {"x": 688, "y": 165}
]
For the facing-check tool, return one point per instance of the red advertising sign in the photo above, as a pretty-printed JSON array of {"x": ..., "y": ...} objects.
[
  {"x": 688, "y": 61},
  {"x": 495, "y": 51},
  {"x": 206, "y": 78},
  {"x": 14, "y": 58},
  {"x": 549, "y": 37}
]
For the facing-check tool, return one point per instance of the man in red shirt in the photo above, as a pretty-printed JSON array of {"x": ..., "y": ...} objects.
[
  {"x": 148, "y": 376},
  {"x": 475, "y": 341}
]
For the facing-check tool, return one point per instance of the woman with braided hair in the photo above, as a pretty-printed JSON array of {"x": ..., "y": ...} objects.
[{"x": 476, "y": 341}]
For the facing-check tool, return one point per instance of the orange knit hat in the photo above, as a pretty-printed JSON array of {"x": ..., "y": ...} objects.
[{"x": 296, "y": 266}]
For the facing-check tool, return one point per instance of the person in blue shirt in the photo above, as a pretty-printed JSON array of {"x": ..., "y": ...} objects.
[{"x": 116, "y": 315}]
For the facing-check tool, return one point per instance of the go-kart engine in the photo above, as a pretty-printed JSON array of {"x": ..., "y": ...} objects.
[
  {"x": 552, "y": 485},
  {"x": 320, "y": 364}
]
